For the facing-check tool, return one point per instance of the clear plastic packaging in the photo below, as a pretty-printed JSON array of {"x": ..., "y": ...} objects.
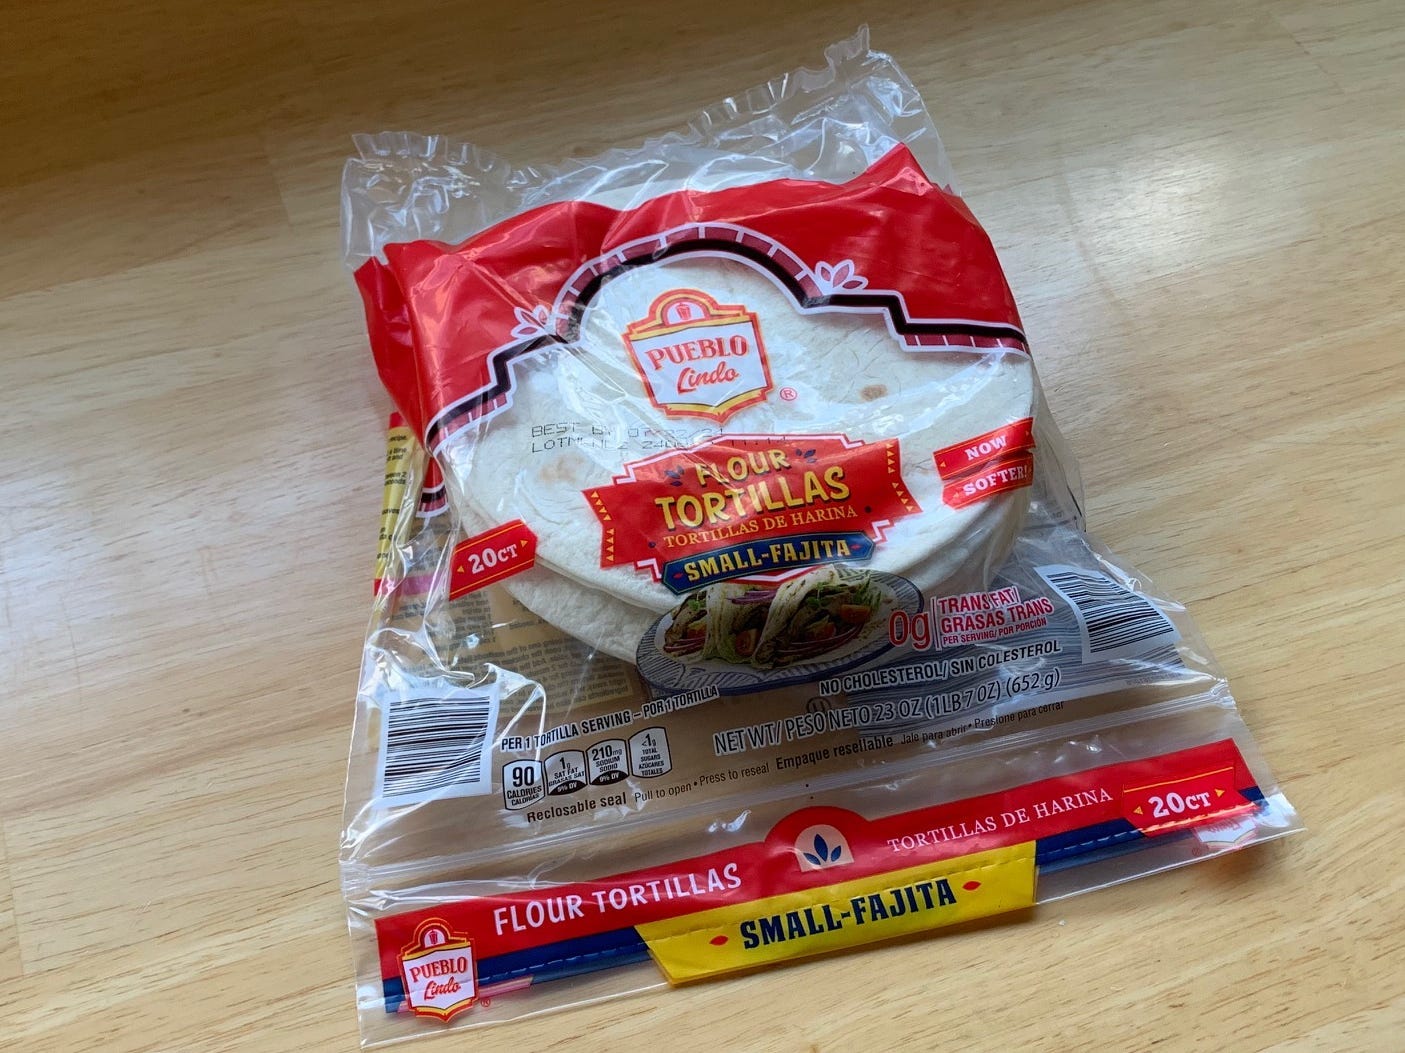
[{"x": 745, "y": 610}]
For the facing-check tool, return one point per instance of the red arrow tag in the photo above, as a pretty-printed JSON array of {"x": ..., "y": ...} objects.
[
  {"x": 1174, "y": 804},
  {"x": 491, "y": 556}
]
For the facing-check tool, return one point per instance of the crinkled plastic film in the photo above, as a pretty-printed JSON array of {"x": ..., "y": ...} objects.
[{"x": 885, "y": 682}]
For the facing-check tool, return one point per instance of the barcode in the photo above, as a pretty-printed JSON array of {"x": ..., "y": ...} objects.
[
  {"x": 436, "y": 746},
  {"x": 1113, "y": 621}
]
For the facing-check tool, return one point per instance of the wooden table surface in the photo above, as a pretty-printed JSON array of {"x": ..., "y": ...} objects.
[{"x": 1200, "y": 208}]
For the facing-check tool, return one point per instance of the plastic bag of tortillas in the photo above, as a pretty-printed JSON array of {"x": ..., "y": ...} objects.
[{"x": 734, "y": 602}]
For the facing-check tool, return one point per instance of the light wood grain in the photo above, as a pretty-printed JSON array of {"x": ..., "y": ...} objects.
[{"x": 1199, "y": 207}]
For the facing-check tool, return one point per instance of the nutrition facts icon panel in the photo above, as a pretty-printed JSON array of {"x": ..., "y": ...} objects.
[
  {"x": 649, "y": 755},
  {"x": 608, "y": 761},
  {"x": 565, "y": 772},
  {"x": 523, "y": 784}
]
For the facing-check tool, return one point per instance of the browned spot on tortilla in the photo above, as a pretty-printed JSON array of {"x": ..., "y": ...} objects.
[
  {"x": 560, "y": 470},
  {"x": 873, "y": 392}
]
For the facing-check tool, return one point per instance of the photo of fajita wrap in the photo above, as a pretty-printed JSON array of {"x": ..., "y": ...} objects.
[
  {"x": 757, "y": 634},
  {"x": 687, "y": 638},
  {"x": 739, "y": 613},
  {"x": 817, "y": 614}
]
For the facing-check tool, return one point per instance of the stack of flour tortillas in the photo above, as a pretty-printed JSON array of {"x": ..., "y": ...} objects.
[{"x": 834, "y": 373}]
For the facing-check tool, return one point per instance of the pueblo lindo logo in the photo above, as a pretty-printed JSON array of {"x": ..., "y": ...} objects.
[
  {"x": 438, "y": 971},
  {"x": 699, "y": 358}
]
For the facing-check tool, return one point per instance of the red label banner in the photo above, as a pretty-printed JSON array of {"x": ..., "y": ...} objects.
[
  {"x": 1183, "y": 800},
  {"x": 491, "y": 556},
  {"x": 960, "y": 458},
  {"x": 746, "y": 488},
  {"x": 997, "y": 477},
  {"x": 789, "y": 859}
]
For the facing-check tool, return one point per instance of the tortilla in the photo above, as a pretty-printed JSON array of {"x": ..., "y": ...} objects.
[
  {"x": 689, "y": 636},
  {"x": 817, "y": 613},
  {"x": 849, "y": 375},
  {"x": 740, "y": 613}
]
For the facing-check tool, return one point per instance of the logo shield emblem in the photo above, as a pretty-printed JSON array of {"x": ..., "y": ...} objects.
[
  {"x": 438, "y": 970},
  {"x": 699, "y": 358}
]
